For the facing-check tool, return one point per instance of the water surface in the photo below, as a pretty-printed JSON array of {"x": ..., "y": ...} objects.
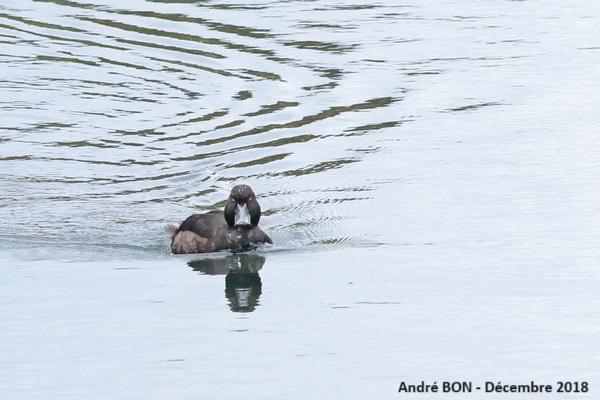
[{"x": 428, "y": 172}]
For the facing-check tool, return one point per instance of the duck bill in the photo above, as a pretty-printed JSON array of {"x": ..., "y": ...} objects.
[{"x": 242, "y": 215}]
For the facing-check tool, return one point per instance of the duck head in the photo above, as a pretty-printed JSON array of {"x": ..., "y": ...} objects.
[{"x": 242, "y": 209}]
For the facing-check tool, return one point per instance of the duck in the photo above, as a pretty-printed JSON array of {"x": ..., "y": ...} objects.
[{"x": 234, "y": 228}]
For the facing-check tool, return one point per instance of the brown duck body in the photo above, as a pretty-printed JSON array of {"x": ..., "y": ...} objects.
[{"x": 234, "y": 228}]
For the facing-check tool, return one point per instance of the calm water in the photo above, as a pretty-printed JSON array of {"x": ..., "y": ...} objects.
[{"x": 428, "y": 172}]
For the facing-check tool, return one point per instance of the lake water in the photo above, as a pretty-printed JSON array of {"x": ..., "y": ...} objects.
[{"x": 428, "y": 172}]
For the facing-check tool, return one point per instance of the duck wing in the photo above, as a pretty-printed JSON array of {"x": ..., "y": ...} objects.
[
  {"x": 256, "y": 235},
  {"x": 206, "y": 225}
]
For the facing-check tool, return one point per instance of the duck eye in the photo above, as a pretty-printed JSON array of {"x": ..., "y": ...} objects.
[{"x": 250, "y": 198}]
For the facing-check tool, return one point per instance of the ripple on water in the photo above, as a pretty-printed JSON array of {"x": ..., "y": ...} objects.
[{"x": 120, "y": 118}]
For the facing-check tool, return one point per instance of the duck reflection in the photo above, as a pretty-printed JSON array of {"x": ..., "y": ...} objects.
[{"x": 243, "y": 286}]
